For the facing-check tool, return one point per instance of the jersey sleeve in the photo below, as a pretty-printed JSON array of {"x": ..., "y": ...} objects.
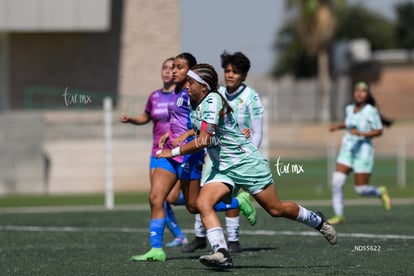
[
  {"x": 375, "y": 119},
  {"x": 148, "y": 106},
  {"x": 256, "y": 110},
  {"x": 211, "y": 107}
]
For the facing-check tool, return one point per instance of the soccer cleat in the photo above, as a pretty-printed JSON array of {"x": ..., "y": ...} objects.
[
  {"x": 234, "y": 247},
  {"x": 177, "y": 242},
  {"x": 154, "y": 255},
  {"x": 197, "y": 243},
  {"x": 337, "y": 219},
  {"x": 326, "y": 229},
  {"x": 246, "y": 207},
  {"x": 385, "y": 198},
  {"x": 219, "y": 259}
]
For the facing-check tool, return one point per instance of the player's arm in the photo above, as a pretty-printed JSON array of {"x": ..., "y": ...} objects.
[
  {"x": 177, "y": 141},
  {"x": 200, "y": 142},
  {"x": 369, "y": 134},
  {"x": 256, "y": 120},
  {"x": 337, "y": 126},
  {"x": 137, "y": 120}
]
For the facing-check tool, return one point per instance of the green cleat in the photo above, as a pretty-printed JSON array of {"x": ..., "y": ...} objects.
[
  {"x": 154, "y": 255},
  {"x": 385, "y": 198},
  {"x": 337, "y": 219},
  {"x": 246, "y": 207}
]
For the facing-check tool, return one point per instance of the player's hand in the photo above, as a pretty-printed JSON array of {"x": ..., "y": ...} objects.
[
  {"x": 177, "y": 141},
  {"x": 246, "y": 132},
  {"x": 124, "y": 118},
  {"x": 163, "y": 140},
  {"x": 333, "y": 128},
  {"x": 163, "y": 154},
  {"x": 355, "y": 131}
]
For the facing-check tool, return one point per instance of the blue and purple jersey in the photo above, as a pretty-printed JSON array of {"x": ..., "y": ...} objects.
[
  {"x": 157, "y": 108},
  {"x": 180, "y": 122}
]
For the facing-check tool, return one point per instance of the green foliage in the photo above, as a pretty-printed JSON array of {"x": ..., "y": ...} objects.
[
  {"x": 358, "y": 22},
  {"x": 352, "y": 22},
  {"x": 404, "y": 26}
]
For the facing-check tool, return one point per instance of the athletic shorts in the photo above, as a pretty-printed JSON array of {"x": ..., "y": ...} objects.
[
  {"x": 360, "y": 158},
  {"x": 251, "y": 174},
  {"x": 189, "y": 169},
  {"x": 153, "y": 162}
]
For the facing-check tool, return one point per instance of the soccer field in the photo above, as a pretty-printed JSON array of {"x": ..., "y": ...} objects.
[{"x": 99, "y": 242}]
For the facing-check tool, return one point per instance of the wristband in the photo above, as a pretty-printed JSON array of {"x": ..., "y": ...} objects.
[{"x": 175, "y": 151}]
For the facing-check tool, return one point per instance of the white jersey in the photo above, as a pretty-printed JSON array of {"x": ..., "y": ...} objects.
[
  {"x": 248, "y": 110},
  {"x": 364, "y": 120}
]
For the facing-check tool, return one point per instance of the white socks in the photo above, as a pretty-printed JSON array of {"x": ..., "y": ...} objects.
[
  {"x": 367, "y": 190},
  {"x": 338, "y": 182},
  {"x": 216, "y": 238},
  {"x": 199, "y": 229},
  {"x": 308, "y": 217},
  {"x": 233, "y": 228}
]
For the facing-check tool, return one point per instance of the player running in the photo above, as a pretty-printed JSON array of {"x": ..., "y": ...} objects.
[
  {"x": 362, "y": 123},
  {"x": 236, "y": 163},
  {"x": 248, "y": 111},
  {"x": 156, "y": 110}
]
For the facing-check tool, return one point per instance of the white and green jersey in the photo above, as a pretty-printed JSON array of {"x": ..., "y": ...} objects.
[
  {"x": 364, "y": 120},
  {"x": 248, "y": 110},
  {"x": 228, "y": 144}
]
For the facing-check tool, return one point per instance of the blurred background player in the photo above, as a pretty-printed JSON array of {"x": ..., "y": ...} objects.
[
  {"x": 235, "y": 163},
  {"x": 362, "y": 123},
  {"x": 248, "y": 111},
  {"x": 156, "y": 110}
]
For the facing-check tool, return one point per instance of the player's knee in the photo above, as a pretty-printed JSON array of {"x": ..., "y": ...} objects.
[
  {"x": 192, "y": 207},
  {"x": 338, "y": 180},
  {"x": 203, "y": 204},
  {"x": 361, "y": 189}
]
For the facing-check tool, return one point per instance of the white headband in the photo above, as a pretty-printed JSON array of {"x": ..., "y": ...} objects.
[{"x": 193, "y": 75}]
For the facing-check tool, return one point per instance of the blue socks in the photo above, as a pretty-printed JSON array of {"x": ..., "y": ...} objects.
[
  {"x": 221, "y": 206},
  {"x": 157, "y": 232},
  {"x": 172, "y": 222}
]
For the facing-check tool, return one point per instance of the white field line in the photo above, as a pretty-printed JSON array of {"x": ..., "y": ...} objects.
[
  {"x": 143, "y": 207},
  {"x": 19, "y": 228}
]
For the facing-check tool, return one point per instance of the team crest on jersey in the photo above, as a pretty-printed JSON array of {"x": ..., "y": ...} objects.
[
  {"x": 240, "y": 106},
  {"x": 198, "y": 113}
]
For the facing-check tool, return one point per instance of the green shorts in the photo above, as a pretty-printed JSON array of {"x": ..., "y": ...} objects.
[
  {"x": 360, "y": 157},
  {"x": 251, "y": 174}
]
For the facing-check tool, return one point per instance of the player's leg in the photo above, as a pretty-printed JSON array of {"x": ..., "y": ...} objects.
[
  {"x": 163, "y": 181},
  {"x": 364, "y": 189},
  {"x": 364, "y": 163},
  {"x": 233, "y": 230},
  {"x": 170, "y": 220},
  {"x": 269, "y": 200},
  {"x": 338, "y": 182},
  {"x": 210, "y": 194}
]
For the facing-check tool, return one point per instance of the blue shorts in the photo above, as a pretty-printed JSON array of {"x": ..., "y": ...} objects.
[
  {"x": 153, "y": 162},
  {"x": 189, "y": 169}
]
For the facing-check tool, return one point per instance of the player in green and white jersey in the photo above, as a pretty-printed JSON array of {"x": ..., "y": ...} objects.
[
  {"x": 362, "y": 123},
  {"x": 248, "y": 111},
  {"x": 236, "y": 163}
]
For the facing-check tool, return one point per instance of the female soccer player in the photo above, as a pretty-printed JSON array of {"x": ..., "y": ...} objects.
[
  {"x": 186, "y": 168},
  {"x": 248, "y": 111},
  {"x": 236, "y": 163},
  {"x": 362, "y": 123},
  {"x": 156, "y": 111}
]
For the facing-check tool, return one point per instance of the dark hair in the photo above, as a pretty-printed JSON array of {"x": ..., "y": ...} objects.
[
  {"x": 371, "y": 100},
  {"x": 209, "y": 75},
  {"x": 191, "y": 60},
  {"x": 240, "y": 62}
]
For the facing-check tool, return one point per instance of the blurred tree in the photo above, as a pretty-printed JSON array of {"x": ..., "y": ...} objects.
[
  {"x": 315, "y": 31},
  {"x": 358, "y": 22},
  {"x": 404, "y": 33}
]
